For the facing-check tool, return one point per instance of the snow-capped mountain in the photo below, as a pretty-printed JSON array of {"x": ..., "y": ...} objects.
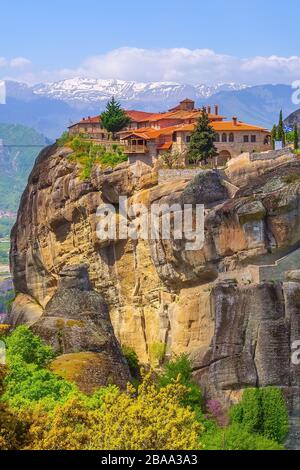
[
  {"x": 206, "y": 91},
  {"x": 88, "y": 91},
  {"x": 51, "y": 107}
]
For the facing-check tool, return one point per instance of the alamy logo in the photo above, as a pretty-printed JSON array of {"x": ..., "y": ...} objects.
[
  {"x": 296, "y": 353},
  {"x": 2, "y": 92},
  {"x": 296, "y": 94},
  {"x": 159, "y": 222}
]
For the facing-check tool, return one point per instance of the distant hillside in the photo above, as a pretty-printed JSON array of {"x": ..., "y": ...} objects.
[
  {"x": 257, "y": 105},
  {"x": 293, "y": 118},
  {"x": 16, "y": 162},
  {"x": 49, "y": 108}
]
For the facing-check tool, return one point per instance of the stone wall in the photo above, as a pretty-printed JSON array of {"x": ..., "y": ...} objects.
[
  {"x": 233, "y": 148},
  {"x": 271, "y": 155},
  {"x": 277, "y": 272},
  {"x": 180, "y": 174}
]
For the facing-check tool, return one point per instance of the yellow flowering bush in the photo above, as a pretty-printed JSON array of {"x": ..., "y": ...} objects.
[
  {"x": 147, "y": 419},
  {"x": 4, "y": 329}
]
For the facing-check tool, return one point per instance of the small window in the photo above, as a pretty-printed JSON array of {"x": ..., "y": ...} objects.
[
  {"x": 231, "y": 137},
  {"x": 188, "y": 139},
  {"x": 217, "y": 138},
  {"x": 253, "y": 139},
  {"x": 246, "y": 139},
  {"x": 224, "y": 137},
  {"x": 174, "y": 137}
]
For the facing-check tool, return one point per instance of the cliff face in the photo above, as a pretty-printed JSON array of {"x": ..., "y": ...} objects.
[{"x": 212, "y": 303}]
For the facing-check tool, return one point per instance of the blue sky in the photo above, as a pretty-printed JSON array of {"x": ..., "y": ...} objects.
[{"x": 47, "y": 40}]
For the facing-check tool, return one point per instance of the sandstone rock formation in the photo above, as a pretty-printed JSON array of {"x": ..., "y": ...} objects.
[
  {"x": 76, "y": 324},
  {"x": 210, "y": 303}
]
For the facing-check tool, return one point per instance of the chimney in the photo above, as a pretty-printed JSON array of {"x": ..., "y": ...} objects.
[
  {"x": 216, "y": 109},
  {"x": 208, "y": 109},
  {"x": 234, "y": 120}
]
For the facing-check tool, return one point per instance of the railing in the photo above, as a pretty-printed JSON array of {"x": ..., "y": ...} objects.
[
  {"x": 126, "y": 147},
  {"x": 139, "y": 148}
]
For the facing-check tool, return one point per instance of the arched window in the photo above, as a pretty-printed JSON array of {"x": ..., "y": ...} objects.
[
  {"x": 224, "y": 137},
  {"x": 231, "y": 137},
  {"x": 217, "y": 138}
]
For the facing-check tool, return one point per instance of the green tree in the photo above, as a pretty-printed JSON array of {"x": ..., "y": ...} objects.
[
  {"x": 28, "y": 381},
  {"x": 262, "y": 411},
  {"x": 114, "y": 119},
  {"x": 274, "y": 135},
  {"x": 275, "y": 414},
  {"x": 180, "y": 369},
  {"x": 202, "y": 146},
  {"x": 280, "y": 129},
  {"x": 236, "y": 437},
  {"x": 296, "y": 137},
  {"x": 23, "y": 345},
  {"x": 12, "y": 430}
]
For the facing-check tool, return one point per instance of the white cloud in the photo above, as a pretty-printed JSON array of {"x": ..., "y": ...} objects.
[
  {"x": 188, "y": 66},
  {"x": 2, "y": 62},
  {"x": 178, "y": 64},
  {"x": 19, "y": 62}
]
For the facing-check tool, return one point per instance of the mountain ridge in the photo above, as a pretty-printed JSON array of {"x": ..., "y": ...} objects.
[
  {"x": 91, "y": 90},
  {"x": 50, "y": 108}
]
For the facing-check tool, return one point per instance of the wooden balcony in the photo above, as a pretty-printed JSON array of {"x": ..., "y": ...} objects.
[
  {"x": 127, "y": 146},
  {"x": 135, "y": 148}
]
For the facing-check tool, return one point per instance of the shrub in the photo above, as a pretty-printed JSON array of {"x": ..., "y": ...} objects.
[
  {"x": 12, "y": 430},
  {"x": 150, "y": 419},
  {"x": 216, "y": 412},
  {"x": 23, "y": 345},
  {"x": 132, "y": 360},
  {"x": 249, "y": 412},
  {"x": 262, "y": 411},
  {"x": 236, "y": 437},
  {"x": 28, "y": 384},
  {"x": 275, "y": 414},
  {"x": 28, "y": 381},
  {"x": 87, "y": 154},
  {"x": 4, "y": 329},
  {"x": 64, "y": 139},
  {"x": 180, "y": 369}
]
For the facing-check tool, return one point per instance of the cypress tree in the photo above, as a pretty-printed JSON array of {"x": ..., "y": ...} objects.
[
  {"x": 296, "y": 137},
  {"x": 202, "y": 146},
  {"x": 114, "y": 119},
  {"x": 274, "y": 135},
  {"x": 280, "y": 129}
]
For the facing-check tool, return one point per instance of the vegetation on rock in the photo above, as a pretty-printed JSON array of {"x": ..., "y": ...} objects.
[
  {"x": 263, "y": 411},
  {"x": 41, "y": 411},
  {"x": 87, "y": 154}
]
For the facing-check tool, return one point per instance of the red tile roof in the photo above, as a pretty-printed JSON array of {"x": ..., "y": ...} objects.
[
  {"x": 138, "y": 116},
  {"x": 222, "y": 126},
  {"x": 165, "y": 146},
  {"x": 182, "y": 115},
  {"x": 88, "y": 120}
]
